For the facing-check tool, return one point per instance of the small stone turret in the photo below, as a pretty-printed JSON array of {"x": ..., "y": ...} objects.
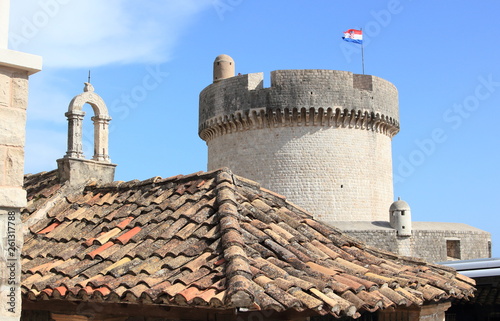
[
  {"x": 223, "y": 67},
  {"x": 400, "y": 217},
  {"x": 73, "y": 167}
]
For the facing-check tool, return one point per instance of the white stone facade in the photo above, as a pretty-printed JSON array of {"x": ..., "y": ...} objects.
[{"x": 13, "y": 103}]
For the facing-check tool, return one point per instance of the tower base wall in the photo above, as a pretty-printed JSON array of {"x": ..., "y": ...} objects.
[
  {"x": 431, "y": 241},
  {"x": 336, "y": 173}
]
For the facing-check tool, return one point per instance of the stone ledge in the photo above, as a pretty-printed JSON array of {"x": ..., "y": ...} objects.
[
  {"x": 12, "y": 197},
  {"x": 20, "y": 60}
]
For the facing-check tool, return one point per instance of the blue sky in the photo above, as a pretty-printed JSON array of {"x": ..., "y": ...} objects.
[{"x": 441, "y": 55}]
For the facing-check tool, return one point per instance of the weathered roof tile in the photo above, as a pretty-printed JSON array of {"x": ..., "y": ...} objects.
[{"x": 211, "y": 240}]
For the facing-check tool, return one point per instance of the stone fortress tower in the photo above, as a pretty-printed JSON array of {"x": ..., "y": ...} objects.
[{"x": 322, "y": 138}]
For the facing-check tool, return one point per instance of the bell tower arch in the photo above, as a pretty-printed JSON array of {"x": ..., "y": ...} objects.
[
  {"x": 73, "y": 167},
  {"x": 101, "y": 120}
]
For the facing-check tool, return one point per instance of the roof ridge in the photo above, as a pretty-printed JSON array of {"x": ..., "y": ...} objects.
[
  {"x": 238, "y": 273},
  {"x": 155, "y": 180},
  {"x": 29, "y": 178},
  {"x": 27, "y": 175}
]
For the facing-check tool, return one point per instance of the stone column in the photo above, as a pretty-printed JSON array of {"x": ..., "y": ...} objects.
[
  {"x": 101, "y": 132},
  {"x": 15, "y": 67},
  {"x": 75, "y": 124},
  {"x": 13, "y": 103}
]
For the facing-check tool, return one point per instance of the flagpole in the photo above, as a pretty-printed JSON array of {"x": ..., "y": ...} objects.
[{"x": 362, "y": 53}]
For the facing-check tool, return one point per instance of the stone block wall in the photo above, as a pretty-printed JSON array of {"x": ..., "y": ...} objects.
[
  {"x": 429, "y": 244},
  {"x": 432, "y": 244},
  {"x": 335, "y": 173},
  {"x": 13, "y": 103}
]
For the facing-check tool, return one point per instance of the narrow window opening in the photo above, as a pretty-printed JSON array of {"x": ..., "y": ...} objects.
[
  {"x": 87, "y": 138},
  {"x": 453, "y": 249}
]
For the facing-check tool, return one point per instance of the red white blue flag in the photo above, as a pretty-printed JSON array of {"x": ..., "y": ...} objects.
[{"x": 353, "y": 35}]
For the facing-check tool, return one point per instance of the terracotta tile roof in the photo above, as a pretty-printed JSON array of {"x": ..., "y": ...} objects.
[{"x": 213, "y": 240}]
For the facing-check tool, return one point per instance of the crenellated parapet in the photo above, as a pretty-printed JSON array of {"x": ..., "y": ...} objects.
[{"x": 325, "y": 98}]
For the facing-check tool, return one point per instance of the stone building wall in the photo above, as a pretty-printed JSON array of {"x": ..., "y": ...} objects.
[
  {"x": 429, "y": 240},
  {"x": 320, "y": 137},
  {"x": 432, "y": 244},
  {"x": 13, "y": 103},
  {"x": 15, "y": 67}
]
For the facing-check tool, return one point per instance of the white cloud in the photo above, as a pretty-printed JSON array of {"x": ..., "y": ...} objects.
[
  {"x": 84, "y": 34},
  {"x": 71, "y": 33}
]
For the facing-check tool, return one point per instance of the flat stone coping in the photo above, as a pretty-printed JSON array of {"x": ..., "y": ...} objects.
[
  {"x": 416, "y": 226},
  {"x": 20, "y": 60}
]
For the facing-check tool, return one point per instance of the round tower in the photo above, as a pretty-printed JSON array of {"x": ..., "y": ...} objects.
[{"x": 322, "y": 138}]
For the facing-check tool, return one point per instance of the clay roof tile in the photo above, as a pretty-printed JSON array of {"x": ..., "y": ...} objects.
[
  {"x": 211, "y": 240},
  {"x": 125, "y": 237},
  {"x": 49, "y": 228}
]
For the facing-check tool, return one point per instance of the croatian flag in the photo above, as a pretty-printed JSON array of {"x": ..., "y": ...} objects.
[{"x": 353, "y": 35}]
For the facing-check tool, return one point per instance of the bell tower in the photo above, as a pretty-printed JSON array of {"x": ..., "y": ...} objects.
[{"x": 73, "y": 167}]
